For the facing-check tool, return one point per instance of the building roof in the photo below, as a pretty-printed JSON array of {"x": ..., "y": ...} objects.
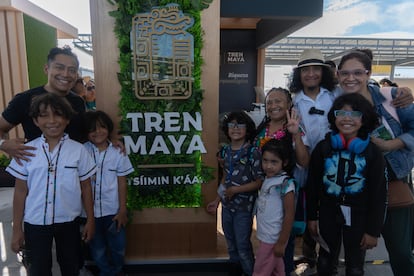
[
  {"x": 64, "y": 30},
  {"x": 396, "y": 52}
]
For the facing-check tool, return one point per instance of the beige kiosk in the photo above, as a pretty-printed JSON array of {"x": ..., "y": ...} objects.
[{"x": 160, "y": 233}]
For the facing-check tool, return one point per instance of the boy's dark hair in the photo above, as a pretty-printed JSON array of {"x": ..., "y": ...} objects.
[
  {"x": 65, "y": 50},
  {"x": 58, "y": 104},
  {"x": 327, "y": 81},
  {"x": 240, "y": 117},
  {"x": 357, "y": 102},
  {"x": 283, "y": 149},
  {"x": 97, "y": 117}
]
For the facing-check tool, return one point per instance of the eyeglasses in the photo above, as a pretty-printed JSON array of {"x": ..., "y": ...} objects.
[
  {"x": 236, "y": 125},
  {"x": 89, "y": 88},
  {"x": 356, "y": 73},
  {"x": 344, "y": 113}
]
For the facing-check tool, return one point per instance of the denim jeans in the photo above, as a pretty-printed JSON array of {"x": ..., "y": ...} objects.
[
  {"x": 38, "y": 243},
  {"x": 237, "y": 227},
  {"x": 108, "y": 246}
]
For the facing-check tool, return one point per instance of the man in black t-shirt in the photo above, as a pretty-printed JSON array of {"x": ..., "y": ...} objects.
[{"x": 61, "y": 69}]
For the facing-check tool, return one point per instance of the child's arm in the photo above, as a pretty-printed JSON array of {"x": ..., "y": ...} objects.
[
  {"x": 368, "y": 241},
  {"x": 288, "y": 218},
  {"x": 87, "y": 200},
  {"x": 122, "y": 215},
  {"x": 19, "y": 200},
  {"x": 251, "y": 186},
  {"x": 213, "y": 205}
]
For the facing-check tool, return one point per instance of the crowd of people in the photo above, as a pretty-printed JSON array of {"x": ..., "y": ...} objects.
[
  {"x": 317, "y": 138},
  {"x": 324, "y": 140}
]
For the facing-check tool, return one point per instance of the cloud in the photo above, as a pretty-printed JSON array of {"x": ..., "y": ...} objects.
[
  {"x": 379, "y": 18},
  {"x": 335, "y": 5},
  {"x": 401, "y": 15},
  {"x": 340, "y": 17}
]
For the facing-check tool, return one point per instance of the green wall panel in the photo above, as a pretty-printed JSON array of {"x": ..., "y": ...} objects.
[{"x": 40, "y": 38}]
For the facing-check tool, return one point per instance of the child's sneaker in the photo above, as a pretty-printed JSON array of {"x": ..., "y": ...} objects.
[{"x": 304, "y": 269}]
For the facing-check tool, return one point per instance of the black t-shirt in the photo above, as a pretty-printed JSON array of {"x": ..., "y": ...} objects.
[{"x": 17, "y": 112}]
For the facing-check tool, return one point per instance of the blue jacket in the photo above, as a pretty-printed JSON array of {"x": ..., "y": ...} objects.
[{"x": 401, "y": 161}]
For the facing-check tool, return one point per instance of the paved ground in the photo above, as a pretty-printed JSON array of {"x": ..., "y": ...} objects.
[{"x": 376, "y": 260}]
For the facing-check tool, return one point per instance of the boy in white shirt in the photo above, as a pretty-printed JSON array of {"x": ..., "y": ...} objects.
[
  {"x": 50, "y": 190},
  {"x": 109, "y": 187}
]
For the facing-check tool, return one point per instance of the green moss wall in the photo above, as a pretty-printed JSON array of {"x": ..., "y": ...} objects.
[{"x": 40, "y": 38}]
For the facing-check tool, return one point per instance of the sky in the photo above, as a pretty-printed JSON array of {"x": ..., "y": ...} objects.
[
  {"x": 341, "y": 18},
  {"x": 363, "y": 18}
]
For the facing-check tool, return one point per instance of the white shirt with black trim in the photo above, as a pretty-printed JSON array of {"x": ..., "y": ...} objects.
[
  {"x": 53, "y": 180},
  {"x": 110, "y": 164}
]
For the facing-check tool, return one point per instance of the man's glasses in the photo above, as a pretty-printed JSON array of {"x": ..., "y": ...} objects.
[
  {"x": 236, "y": 125},
  {"x": 356, "y": 73},
  {"x": 345, "y": 113},
  {"x": 89, "y": 88}
]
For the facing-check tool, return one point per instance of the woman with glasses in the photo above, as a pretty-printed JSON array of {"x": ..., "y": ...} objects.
[
  {"x": 354, "y": 71},
  {"x": 90, "y": 95},
  {"x": 346, "y": 194}
]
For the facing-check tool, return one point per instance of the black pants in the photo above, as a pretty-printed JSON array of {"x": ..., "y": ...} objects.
[
  {"x": 38, "y": 244},
  {"x": 333, "y": 231}
]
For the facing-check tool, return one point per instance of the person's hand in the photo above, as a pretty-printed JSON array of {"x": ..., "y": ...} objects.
[
  {"x": 230, "y": 192},
  {"x": 279, "y": 249},
  {"x": 212, "y": 207},
  {"x": 18, "y": 150},
  {"x": 403, "y": 98},
  {"x": 368, "y": 242},
  {"x": 292, "y": 121},
  {"x": 88, "y": 230},
  {"x": 313, "y": 227},
  {"x": 381, "y": 143},
  {"x": 17, "y": 241},
  {"x": 121, "y": 219},
  {"x": 119, "y": 145}
]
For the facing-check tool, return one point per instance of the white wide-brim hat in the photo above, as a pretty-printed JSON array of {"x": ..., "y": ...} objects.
[{"x": 311, "y": 57}]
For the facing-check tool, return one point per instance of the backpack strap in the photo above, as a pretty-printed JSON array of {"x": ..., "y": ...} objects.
[{"x": 386, "y": 92}]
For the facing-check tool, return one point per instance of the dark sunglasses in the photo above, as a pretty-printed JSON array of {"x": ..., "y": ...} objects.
[{"x": 89, "y": 88}]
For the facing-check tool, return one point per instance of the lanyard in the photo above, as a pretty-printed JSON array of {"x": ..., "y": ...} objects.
[
  {"x": 51, "y": 171},
  {"x": 100, "y": 179}
]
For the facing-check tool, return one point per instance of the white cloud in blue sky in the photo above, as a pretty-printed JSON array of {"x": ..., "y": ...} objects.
[
  {"x": 376, "y": 18},
  {"x": 365, "y": 18}
]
